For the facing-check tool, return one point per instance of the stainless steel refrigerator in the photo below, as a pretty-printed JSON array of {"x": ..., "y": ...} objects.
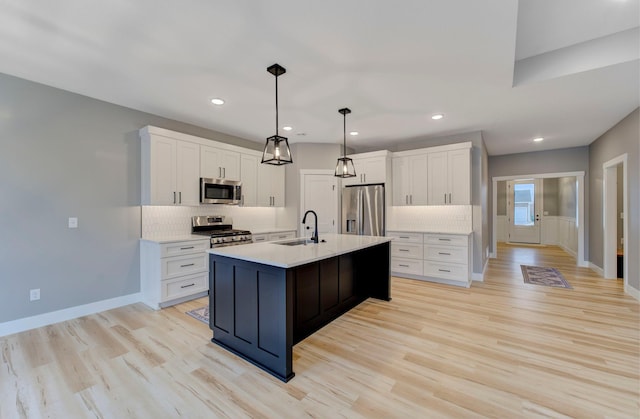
[{"x": 363, "y": 210}]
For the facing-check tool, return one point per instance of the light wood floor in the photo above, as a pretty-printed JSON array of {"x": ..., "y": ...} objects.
[{"x": 499, "y": 349}]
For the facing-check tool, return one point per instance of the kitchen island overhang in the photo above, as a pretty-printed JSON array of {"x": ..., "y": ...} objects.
[{"x": 266, "y": 297}]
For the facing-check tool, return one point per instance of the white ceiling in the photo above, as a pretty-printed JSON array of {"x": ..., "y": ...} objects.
[{"x": 393, "y": 63}]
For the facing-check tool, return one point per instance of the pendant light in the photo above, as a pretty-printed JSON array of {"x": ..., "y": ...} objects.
[
  {"x": 345, "y": 167},
  {"x": 276, "y": 149}
]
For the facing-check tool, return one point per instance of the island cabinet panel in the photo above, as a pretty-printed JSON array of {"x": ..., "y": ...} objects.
[
  {"x": 346, "y": 282},
  {"x": 251, "y": 315}
]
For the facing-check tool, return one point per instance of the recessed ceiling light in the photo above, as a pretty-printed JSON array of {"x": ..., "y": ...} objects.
[
  {"x": 537, "y": 140},
  {"x": 217, "y": 101},
  {"x": 287, "y": 128},
  {"x": 437, "y": 116},
  {"x": 354, "y": 133}
]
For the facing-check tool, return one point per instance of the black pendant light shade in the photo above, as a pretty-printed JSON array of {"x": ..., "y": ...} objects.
[
  {"x": 276, "y": 150},
  {"x": 345, "y": 167}
]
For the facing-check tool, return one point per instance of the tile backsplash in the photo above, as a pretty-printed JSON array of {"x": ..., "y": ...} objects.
[
  {"x": 169, "y": 221},
  {"x": 435, "y": 217}
]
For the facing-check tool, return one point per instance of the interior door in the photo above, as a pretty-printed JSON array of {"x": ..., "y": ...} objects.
[
  {"x": 524, "y": 208},
  {"x": 320, "y": 194}
]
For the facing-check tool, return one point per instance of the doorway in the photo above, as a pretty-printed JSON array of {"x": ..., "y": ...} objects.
[
  {"x": 614, "y": 243},
  {"x": 579, "y": 213},
  {"x": 319, "y": 192},
  {"x": 524, "y": 205}
]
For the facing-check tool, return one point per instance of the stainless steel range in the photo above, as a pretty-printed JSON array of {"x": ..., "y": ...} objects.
[{"x": 220, "y": 229}]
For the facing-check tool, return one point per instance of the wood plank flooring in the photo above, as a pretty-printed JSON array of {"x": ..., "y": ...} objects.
[{"x": 499, "y": 349}]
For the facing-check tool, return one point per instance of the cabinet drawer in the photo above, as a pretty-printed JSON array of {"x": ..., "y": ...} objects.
[
  {"x": 259, "y": 238},
  {"x": 183, "y": 286},
  {"x": 184, "y": 265},
  {"x": 452, "y": 239},
  {"x": 282, "y": 236},
  {"x": 451, "y": 271},
  {"x": 407, "y": 266},
  {"x": 455, "y": 254},
  {"x": 406, "y": 250},
  {"x": 405, "y": 237},
  {"x": 183, "y": 248}
]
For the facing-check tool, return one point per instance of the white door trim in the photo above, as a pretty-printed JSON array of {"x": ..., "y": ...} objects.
[
  {"x": 609, "y": 217},
  {"x": 579, "y": 219}
]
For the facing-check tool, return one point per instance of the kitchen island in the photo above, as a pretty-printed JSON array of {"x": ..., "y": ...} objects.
[{"x": 266, "y": 297}]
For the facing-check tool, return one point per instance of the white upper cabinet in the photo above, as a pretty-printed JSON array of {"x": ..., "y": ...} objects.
[
  {"x": 172, "y": 164},
  {"x": 218, "y": 163},
  {"x": 410, "y": 179},
  {"x": 370, "y": 168},
  {"x": 270, "y": 185},
  {"x": 449, "y": 178},
  {"x": 249, "y": 178},
  {"x": 170, "y": 171}
]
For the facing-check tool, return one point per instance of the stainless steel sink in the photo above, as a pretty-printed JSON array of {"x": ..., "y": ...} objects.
[{"x": 296, "y": 242}]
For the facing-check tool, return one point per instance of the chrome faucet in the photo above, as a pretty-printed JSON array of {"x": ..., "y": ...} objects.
[{"x": 314, "y": 236}]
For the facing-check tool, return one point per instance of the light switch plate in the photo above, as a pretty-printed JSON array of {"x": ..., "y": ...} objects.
[{"x": 73, "y": 222}]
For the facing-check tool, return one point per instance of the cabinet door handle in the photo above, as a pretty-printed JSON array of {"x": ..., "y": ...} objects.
[
  {"x": 404, "y": 237},
  {"x": 445, "y": 240},
  {"x": 188, "y": 264},
  {"x": 365, "y": 177},
  {"x": 174, "y": 197},
  {"x": 242, "y": 200},
  {"x": 187, "y": 286},
  {"x": 219, "y": 171},
  {"x": 403, "y": 250},
  {"x": 180, "y": 197},
  {"x": 186, "y": 248},
  {"x": 404, "y": 266},
  {"x": 449, "y": 197},
  {"x": 411, "y": 199},
  {"x": 443, "y": 253},
  {"x": 224, "y": 172},
  {"x": 444, "y": 270},
  {"x": 406, "y": 199},
  {"x": 445, "y": 198}
]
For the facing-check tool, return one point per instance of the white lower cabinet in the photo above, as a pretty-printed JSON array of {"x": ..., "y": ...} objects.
[
  {"x": 173, "y": 272},
  {"x": 267, "y": 237},
  {"x": 431, "y": 257}
]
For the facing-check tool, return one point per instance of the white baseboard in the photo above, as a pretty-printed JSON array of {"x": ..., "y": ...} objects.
[
  {"x": 628, "y": 289},
  {"x": 27, "y": 323},
  {"x": 596, "y": 269}
]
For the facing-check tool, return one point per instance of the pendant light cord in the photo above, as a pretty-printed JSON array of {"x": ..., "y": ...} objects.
[
  {"x": 277, "y": 105},
  {"x": 344, "y": 136}
]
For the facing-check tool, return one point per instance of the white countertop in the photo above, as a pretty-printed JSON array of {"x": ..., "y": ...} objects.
[
  {"x": 171, "y": 239},
  {"x": 431, "y": 230},
  {"x": 271, "y": 230},
  {"x": 282, "y": 256}
]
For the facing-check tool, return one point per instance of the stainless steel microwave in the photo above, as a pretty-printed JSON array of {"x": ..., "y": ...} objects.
[{"x": 220, "y": 191}]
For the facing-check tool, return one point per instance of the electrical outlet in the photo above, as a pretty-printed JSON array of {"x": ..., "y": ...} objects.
[
  {"x": 622, "y": 215},
  {"x": 73, "y": 222},
  {"x": 34, "y": 294}
]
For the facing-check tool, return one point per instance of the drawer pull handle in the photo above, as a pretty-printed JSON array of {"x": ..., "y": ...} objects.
[
  {"x": 187, "y": 286},
  {"x": 444, "y": 270},
  {"x": 186, "y": 248},
  {"x": 445, "y": 240},
  {"x": 404, "y": 237},
  {"x": 404, "y": 266},
  {"x": 188, "y": 264},
  {"x": 403, "y": 250},
  {"x": 443, "y": 253}
]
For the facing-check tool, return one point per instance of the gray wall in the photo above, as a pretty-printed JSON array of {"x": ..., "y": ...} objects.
[
  {"x": 567, "y": 205},
  {"x": 553, "y": 161},
  {"x": 65, "y": 155},
  {"x": 623, "y": 138}
]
